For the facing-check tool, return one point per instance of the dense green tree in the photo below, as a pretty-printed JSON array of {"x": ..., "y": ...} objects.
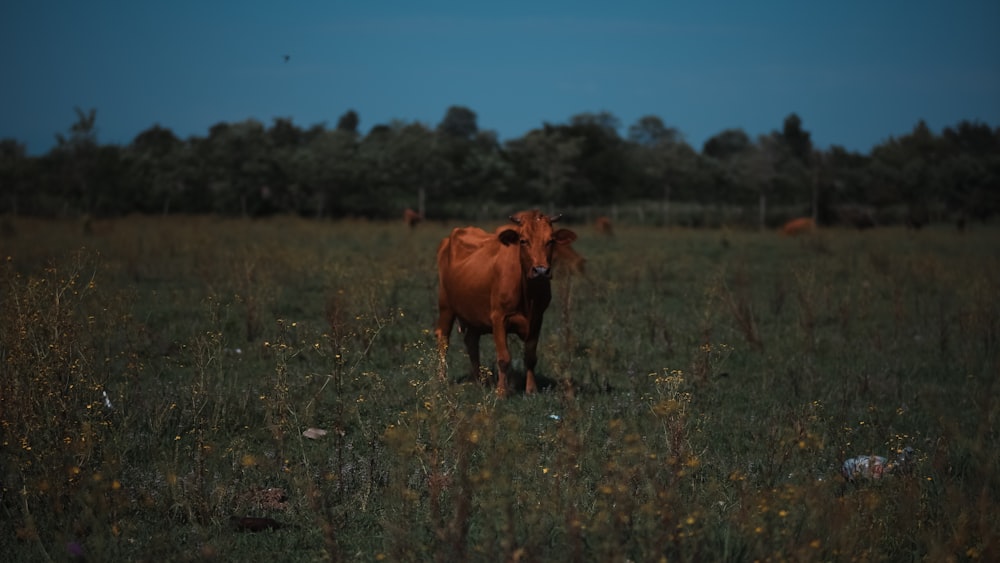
[
  {"x": 83, "y": 133},
  {"x": 249, "y": 169},
  {"x": 110, "y": 194},
  {"x": 322, "y": 171},
  {"x": 458, "y": 143},
  {"x": 796, "y": 139},
  {"x": 756, "y": 169},
  {"x": 349, "y": 122},
  {"x": 477, "y": 169},
  {"x": 797, "y": 167},
  {"x": 972, "y": 138},
  {"x": 649, "y": 131},
  {"x": 664, "y": 163},
  {"x": 240, "y": 162},
  {"x": 604, "y": 120},
  {"x": 396, "y": 163},
  {"x": 156, "y": 141},
  {"x": 546, "y": 161},
  {"x": 845, "y": 183},
  {"x": 153, "y": 169},
  {"x": 285, "y": 134},
  {"x": 727, "y": 144},
  {"x": 969, "y": 173},
  {"x": 601, "y": 165},
  {"x": 73, "y": 162},
  {"x": 15, "y": 175},
  {"x": 459, "y": 122},
  {"x": 902, "y": 171},
  {"x": 487, "y": 173},
  {"x": 729, "y": 161}
]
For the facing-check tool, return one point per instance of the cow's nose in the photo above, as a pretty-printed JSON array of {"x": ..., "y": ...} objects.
[{"x": 540, "y": 272}]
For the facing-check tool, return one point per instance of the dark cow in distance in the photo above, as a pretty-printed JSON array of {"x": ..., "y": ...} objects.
[
  {"x": 799, "y": 226},
  {"x": 411, "y": 218},
  {"x": 499, "y": 283},
  {"x": 603, "y": 226}
]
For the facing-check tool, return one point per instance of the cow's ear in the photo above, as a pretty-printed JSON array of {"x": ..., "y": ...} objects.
[
  {"x": 509, "y": 236},
  {"x": 564, "y": 236}
]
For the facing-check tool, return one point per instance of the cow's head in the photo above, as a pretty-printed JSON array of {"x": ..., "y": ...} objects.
[{"x": 537, "y": 239}]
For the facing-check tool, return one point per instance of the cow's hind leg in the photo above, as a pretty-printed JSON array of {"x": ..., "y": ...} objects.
[{"x": 472, "y": 348}]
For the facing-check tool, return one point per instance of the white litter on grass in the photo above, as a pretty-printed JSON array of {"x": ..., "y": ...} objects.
[
  {"x": 107, "y": 401},
  {"x": 872, "y": 467},
  {"x": 555, "y": 417},
  {"x": 864, "y": 467},
  {"x": 314, "y": 433}
]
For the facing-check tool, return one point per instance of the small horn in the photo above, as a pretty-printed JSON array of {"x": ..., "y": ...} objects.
[
  {"x": 514, "y": 219},
  {"x": 556, "y": 218}
]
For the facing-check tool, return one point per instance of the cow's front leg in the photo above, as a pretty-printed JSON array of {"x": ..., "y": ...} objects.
[
  {"x": 503, "y": 355},
  {"x": 530, "y": 359},
  {"x": 529, "y": 335}
]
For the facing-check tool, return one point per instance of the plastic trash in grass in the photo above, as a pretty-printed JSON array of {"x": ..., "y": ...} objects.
[
  {"x": 872, "y": 467},
  {"x": 314, "y": 433}
]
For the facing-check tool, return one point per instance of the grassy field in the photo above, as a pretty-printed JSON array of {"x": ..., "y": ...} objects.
[{"x": 702, "y": 389}]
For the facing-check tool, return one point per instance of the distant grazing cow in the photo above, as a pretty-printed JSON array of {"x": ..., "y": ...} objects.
[
  {"x": 798, "y": 226},
  {"x": 498, "y": 283},
  {"x": 411, "y": 218},
  {"x": 603, "y": 226},
  {"x": 564, "y": 254}
]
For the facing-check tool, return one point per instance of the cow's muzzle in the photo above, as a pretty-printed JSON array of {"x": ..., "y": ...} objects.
[{"x": 539, "y": 272}]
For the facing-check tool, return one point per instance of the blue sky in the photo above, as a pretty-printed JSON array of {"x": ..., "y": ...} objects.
[{"x": 855, "y": 72}]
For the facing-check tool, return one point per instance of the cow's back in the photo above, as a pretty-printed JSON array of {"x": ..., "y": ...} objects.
[
  {"x": 798, "y": 226},
  {"x": 467, "y": 273}
]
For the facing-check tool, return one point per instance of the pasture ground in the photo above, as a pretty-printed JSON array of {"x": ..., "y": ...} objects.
[{"x": 703, "y": 389}]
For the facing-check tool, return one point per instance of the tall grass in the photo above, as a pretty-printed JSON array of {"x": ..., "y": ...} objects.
[{"x": 702, "y": 389}]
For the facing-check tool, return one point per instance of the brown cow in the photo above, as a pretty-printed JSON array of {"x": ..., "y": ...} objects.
[
  {"x": 564, "y": 254},
  {"x": 603, "y": 226},
  {"x": 498, "y": 283},
  {"x": 798, "y": 226},
  {"x": 411, "y": 218}
]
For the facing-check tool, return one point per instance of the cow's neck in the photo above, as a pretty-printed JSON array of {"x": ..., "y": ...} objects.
[{"x": 536, "y": 290}]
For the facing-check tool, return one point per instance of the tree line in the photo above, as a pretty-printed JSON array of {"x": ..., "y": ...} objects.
[{"x": 456, "y": 169}]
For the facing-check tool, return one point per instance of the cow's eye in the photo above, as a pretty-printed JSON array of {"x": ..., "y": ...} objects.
[{"x": 524, "y": 242}]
